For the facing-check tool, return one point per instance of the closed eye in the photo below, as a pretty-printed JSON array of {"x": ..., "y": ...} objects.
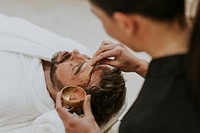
[{"x": 79, "y": 68}]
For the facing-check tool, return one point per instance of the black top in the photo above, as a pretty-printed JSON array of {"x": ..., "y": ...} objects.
[{"x": 165, "y": 104}]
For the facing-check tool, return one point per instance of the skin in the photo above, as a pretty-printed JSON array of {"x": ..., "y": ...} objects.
[
  {"x": 76, "y": 70},
  {"x": 70, "y": 121},
  {"x": 123, "y": 58},
  {"x": 66, "y": 72},
  {"x": 158, "y": 39}
]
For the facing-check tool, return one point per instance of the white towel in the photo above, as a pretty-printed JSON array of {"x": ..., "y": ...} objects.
[
  {"x": 49, "y": 122},
  {"x": 23, "y": 93}
]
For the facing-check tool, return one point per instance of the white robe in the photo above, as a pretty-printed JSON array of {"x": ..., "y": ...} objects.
[{"x": 23, "y": 92}]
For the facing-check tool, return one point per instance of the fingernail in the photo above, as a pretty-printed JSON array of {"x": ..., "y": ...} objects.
[{"x": 88, "y": 98}]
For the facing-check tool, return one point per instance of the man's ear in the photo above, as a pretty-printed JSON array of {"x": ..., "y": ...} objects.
[{"x": 126, "y": 22}]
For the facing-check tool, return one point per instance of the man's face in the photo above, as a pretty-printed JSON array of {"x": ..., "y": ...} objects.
[{"x": 73, "y": 69}]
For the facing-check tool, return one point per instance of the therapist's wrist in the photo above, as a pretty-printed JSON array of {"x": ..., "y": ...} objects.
[{"x": 142, "y": 68}]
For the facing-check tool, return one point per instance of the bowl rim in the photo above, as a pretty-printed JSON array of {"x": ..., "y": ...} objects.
[{"x": 77, "y": 87}]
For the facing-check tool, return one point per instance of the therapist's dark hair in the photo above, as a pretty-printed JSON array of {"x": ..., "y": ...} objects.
[
  {"x": 163, "y": 10},
  {"x": 193, "y": 60}
]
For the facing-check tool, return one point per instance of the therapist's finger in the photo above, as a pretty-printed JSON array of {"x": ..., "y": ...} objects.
[
  {"x": 58, "y": 100},
  {"x": 104, "y": 55},
  {"x": 62, "y": 112},
  {"x": 110, "y": 62},
  {"x": 105, "y": 46},
  {"x": 87, "y": 106}
]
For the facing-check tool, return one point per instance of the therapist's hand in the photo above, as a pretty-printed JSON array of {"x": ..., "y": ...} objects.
[
  {"x": 76, "y": 124},
  {"x": 122, "y": 58}
]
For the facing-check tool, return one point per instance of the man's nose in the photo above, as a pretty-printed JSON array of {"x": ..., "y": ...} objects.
[{"x": 75, "y": 51}]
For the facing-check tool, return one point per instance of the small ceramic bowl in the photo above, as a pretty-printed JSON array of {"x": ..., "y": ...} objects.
[{"x": 73, "y": 96}]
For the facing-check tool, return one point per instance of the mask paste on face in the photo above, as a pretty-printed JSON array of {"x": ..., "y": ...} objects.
[{"x": 87, "y": 75}]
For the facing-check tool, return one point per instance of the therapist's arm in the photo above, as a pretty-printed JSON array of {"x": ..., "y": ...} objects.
[{"x": 76, "y": 124}]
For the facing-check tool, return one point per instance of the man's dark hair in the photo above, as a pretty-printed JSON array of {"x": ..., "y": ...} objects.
[
  {"x": 109, "y": 96},
  {"x": 163, "y": 10}
]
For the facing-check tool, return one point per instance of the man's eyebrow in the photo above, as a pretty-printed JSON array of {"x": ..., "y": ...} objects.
[{"x": 79, "y": 68}]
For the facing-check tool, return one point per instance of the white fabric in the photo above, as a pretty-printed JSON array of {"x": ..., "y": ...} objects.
[
  {"x": 50, "y": 122},
  {"x": 23, "y": 93}
]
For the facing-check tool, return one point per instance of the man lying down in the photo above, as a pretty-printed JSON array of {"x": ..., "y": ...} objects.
[
  {"x": 21, "y": 103},
  {"x": 105, "y": 83}
]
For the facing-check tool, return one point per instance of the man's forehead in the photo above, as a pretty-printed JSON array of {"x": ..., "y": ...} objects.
[
  {"x": 98, "y": 70},
  {"x": 103, "y": 67},
  {"x": 96, "y": 74}
]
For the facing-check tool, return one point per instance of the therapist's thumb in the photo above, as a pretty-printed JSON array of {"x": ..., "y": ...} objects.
[{"x": 87, "y": 106}]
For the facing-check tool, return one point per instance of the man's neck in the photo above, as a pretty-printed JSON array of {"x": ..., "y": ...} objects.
[{"x": 51, "y": 90}]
